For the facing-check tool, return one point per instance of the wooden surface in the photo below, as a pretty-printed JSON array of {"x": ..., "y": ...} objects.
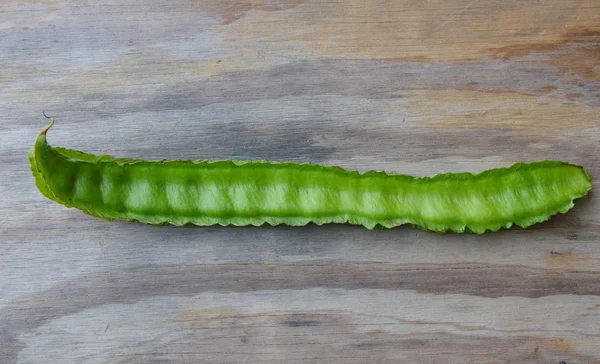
[{"x": 419, "y": 87}]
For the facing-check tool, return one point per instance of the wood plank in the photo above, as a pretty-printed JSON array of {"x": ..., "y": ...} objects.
[{"x": 418, "y": 87}]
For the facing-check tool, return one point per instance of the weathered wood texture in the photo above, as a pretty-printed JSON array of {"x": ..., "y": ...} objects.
[{"x": 419, "y": 87}]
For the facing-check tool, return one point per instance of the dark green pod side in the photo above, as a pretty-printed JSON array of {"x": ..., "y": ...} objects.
[{"x": 258, "y": 192}]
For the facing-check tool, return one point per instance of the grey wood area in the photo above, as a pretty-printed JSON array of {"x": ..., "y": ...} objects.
[{"x": 417, "y": 87}]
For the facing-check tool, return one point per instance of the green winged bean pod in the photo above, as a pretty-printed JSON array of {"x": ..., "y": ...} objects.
[{"x": 260, "y": 192}]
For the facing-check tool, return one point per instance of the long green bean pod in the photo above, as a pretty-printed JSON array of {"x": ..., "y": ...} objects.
[{"x": 260, "y": 192}]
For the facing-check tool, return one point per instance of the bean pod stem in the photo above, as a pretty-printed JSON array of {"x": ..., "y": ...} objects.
[{"x": 242, "y": 193}]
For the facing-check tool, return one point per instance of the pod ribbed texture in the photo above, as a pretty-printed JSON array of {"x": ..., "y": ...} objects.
[{"x": 260, "y": 192}]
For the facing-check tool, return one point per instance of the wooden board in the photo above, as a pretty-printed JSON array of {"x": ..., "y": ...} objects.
[{"x": 419, "y": 87}]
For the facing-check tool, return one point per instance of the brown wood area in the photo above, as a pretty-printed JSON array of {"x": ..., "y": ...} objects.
[{"x": 413, "y": 86}]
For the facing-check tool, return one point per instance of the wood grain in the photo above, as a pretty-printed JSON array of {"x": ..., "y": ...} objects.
[{"x": 419, "y": 87}]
